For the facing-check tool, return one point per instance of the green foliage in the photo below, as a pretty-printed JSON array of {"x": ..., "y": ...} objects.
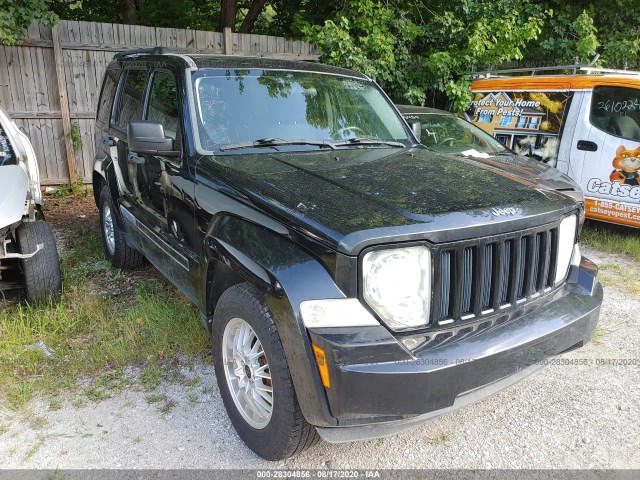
[
  {"x": 75, "y": 136},
  {"x": 17, "y": 15},
  {"x": 583, "y": 28},
  {"x": 366, "y": 30},
  {"x": 412, "y": 49},
  {"x": 571, "y": 37},
  {"x": 77, "y": 188}
]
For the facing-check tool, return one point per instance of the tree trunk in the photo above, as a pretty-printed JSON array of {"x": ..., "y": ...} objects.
[
  {"x": 228, "y": 15},
  {"x": 252, "y": 15},
  {"x": 129, "y": 12}
]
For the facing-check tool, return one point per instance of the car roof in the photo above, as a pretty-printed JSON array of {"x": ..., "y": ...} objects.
[
  {"x": 238, "y": 62},
  {"x": 411, "y": 109},
  {"x": 230, "y": 61}
]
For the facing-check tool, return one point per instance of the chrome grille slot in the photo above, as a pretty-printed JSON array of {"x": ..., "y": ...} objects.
[
  {"x": 506, "y": 271},
  {"x": 468, "y": 280},
  {"x": 445, "y": 284},
  {"x": 522, "y": 266},
  {"x": 487, "y": 273},
  {"x": 553, "y": 255}
]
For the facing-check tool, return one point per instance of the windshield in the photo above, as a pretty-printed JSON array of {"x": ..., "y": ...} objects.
[
  {"x": 249, "y": 108},
  {"x": 454, "y": 136}
]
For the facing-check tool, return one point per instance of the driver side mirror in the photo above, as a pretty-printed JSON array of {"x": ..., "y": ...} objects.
[
  {"x": 416, "y": 128},
  {"x": 147, "y": 138}
]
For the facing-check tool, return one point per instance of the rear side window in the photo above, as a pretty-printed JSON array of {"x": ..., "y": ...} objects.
[
  {"x": 163, "y": 103},
  {"x": 131, "y": 98},
  {"x": 616, "y": 110},
  {"x": 105, "y": 103}
]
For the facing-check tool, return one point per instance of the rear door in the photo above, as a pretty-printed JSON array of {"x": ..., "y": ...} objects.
[
  {"x": 609, "y": 145},
  {"x": 165, "y": 186}
]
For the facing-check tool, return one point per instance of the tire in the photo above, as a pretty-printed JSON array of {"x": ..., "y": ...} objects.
[
  {"x": 42, "y": 277},
  {"x": 116, "y": 249},
  {"x": 284, "y": 432}
]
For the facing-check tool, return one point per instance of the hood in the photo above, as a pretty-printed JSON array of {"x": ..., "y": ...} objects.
[
  {"x": 355, "y": 197},
  {"x": 543, "y": 174}
]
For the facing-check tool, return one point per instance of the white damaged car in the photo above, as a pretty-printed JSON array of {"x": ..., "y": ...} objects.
[{"x": 29, "y": 263}]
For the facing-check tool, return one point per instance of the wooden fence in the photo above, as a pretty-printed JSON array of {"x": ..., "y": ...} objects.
[{"x": 50, "y": 82}]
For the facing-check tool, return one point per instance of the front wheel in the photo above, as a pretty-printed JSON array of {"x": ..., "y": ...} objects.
[
  {"x": 42, "y": 278},
  {"x": 254, "y": 379}
]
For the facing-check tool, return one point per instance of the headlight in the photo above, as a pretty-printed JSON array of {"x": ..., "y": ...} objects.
[
  {"x": 397, "y": 286},
  {"x": 566, "y": 242}
]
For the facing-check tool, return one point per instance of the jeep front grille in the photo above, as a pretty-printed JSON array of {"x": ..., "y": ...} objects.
[{"x": 478, "y": 277}]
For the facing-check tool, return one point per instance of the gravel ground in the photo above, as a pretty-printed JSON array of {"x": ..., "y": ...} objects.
[{"x": 564, "y": 416}]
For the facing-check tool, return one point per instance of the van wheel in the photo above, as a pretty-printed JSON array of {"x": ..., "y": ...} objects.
[
  {"x": 43, "y": 281},
  {"x": 254, "y": 379},
  {"x": 116, "y": 249}
]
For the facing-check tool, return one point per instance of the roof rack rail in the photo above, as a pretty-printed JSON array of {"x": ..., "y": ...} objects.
[
  {"x": 143, "y": 51},
  {"x": 534, "y": 70},
  {"x": 610, "y": 70}
]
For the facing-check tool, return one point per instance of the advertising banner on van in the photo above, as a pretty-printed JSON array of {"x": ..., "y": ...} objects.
[
  {"x": 612, "y": 189},
  {"x": 527, "y": 122}
]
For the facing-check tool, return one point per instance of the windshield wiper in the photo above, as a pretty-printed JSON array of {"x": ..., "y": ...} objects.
[
  {"x": 368, "y": 141},
  {"x": 274, "y": 142}
]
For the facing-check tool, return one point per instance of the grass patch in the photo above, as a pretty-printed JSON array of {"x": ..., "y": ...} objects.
[
  {"x": 38, "y": 423},
  {"x": 598, "y": 335},
  {"x": 3, "y": 429},
  {"x": 442, "y": 437},
  {"x": 93, "y": 332},
  {"x": 619, "y": 277},
  {"x": 34, "y": 448},
  {"x": 166, "y": 406},
  {"x": 155, "y": 398},
  {"x": 95, "y": 394},
  {"x": 192, "y": 398},
  {"x": 207, "y": 390},
  {"x": 612, "y": 238}
]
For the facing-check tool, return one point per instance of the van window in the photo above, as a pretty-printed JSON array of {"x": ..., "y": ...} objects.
[
  {"x": 616, "y": 110},
  {"x": 131, "y": 98},
  {"x": 163, "y": 103}
]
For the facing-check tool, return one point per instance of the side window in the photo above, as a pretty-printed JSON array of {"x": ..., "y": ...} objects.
[
  {"x": 163, "y": 103},
  {"x": 131, "y": 98},
  {"x": 105, "y": 103},
  {"x": 616, "y": 110}
]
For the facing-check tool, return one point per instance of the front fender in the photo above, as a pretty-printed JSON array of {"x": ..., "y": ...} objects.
[
  {"x": 286, "y": 275},
  {"x": 105, "y": 169}
]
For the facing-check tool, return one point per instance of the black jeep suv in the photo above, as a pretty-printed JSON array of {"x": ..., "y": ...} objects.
[{"x": 354, "y": 282}]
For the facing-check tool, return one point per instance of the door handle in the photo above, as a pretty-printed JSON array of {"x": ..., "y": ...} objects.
[{"x": 587, "y": 146}]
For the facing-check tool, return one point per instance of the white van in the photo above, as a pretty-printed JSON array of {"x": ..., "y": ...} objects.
[{"x": 586, "y": 124}]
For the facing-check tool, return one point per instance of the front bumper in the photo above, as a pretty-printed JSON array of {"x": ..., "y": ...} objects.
[{"x": 380, "y": 387}]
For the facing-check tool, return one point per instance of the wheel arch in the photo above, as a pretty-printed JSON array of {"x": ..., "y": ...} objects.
[
  {"x": 285, "y": 274},
  {"x": 104, "y": 175}
]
